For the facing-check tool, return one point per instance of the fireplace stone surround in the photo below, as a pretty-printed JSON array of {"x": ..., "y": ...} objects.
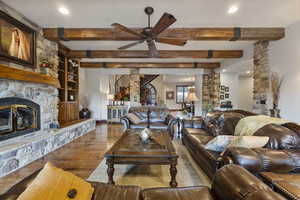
[{"x": 21, "y": 150}]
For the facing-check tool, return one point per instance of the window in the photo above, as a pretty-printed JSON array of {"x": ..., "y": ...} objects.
[{"x": 181, "y": 93}]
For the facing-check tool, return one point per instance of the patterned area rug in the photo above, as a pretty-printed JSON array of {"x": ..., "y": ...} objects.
[{"x": 145, "y": 176}]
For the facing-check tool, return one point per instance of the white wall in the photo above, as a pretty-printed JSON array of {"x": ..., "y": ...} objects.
[
  {"x": 245, "y": 98},
  {"x": 285, "y": 59}
]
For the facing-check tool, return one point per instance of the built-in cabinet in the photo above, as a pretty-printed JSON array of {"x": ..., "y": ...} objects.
[
  {"x": 68, "y": 75},
  {"x": 116, "y": 112}
]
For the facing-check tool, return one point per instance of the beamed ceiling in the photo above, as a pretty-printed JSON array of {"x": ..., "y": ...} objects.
[{"x": 98, "y": 42}]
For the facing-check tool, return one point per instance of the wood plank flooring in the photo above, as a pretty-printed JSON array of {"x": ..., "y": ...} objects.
[{"x": 80, "y": 157}]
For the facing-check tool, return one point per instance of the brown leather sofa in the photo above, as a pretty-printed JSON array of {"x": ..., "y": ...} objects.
[
  {"x": 232, "y": 182},
  {"x": 152, "y": 117},
  {"x": 197, "y": 134}
]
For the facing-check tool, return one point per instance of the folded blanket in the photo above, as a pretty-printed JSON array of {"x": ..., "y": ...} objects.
[{"x": 249, "y": 125}]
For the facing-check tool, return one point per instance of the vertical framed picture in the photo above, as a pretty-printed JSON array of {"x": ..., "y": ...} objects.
[
  {"x": 226, "y": 89},
  {"x": 226, "y": 96},
  {"x": 17, "y": 41}
]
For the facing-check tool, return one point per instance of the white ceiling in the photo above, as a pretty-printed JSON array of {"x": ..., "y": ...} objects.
[{"x": 189, "y": 13}]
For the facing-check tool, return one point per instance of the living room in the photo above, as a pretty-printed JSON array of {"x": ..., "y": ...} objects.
[{"x": 159, "y": 100}]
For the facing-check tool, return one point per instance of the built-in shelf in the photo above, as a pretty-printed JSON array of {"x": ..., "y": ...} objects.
[
  {"x": 7, "y": 72},
  {"x": 68, "y": 96}
]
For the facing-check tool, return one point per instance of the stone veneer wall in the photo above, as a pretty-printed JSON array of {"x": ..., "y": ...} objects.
[
  {"x": 135, "y": 89},
  {"x": 261, "y": 74},
  {"x": 16, "y": 155},
  {"x": 211, "y": 89},
  {"x": 44, "y": 95}
]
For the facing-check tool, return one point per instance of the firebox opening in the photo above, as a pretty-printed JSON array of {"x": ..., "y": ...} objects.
[{"x": 18, "y": 116}]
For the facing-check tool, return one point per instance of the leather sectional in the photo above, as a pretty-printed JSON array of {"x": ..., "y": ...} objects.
[
  {"x": 232, "y": 182},
  {"x": 280, "y": 154}
]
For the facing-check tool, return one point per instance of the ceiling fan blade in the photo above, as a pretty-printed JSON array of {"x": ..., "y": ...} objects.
[
  {"x": 172, "y": 41},
  {"x": 127, "y": 30},
  {"x": 164, "y": 22},
  {"x": 152, "y": 48},
  {"x": 130, "y": 45}
]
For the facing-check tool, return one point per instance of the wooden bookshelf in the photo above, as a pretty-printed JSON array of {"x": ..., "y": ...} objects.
[{"x": 68, "y": 93}]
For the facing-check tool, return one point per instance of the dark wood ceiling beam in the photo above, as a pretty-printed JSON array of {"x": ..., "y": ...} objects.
[
  {"x": 162, "y": 54},
  {"x": 211, "y": 65},
  {"x": 227, "y": 34}
]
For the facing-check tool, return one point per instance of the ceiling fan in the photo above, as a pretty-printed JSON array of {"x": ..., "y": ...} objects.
[{"x": 151, "y": 34}]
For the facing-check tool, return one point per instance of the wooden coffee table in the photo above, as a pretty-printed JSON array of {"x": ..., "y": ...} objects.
[{"x": 130, "y": 150}]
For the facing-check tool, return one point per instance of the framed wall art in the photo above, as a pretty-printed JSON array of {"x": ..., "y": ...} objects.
[
  {"x": 170, "y": 95},
  {"x": 17, "y": 41}
]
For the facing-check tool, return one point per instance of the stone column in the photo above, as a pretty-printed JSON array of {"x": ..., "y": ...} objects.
[
  {"x": 210, "y": 90},
  {"x": 134, "y": 89},
  {"x": 261, "y": 74}
]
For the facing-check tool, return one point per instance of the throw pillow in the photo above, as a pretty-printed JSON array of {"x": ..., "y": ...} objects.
[
  {"x": 133, "y": 118},
  {"x": 249, "y": 141},
  {"x": 219, "y": 143},
  {"x": 54, "y": 183}
]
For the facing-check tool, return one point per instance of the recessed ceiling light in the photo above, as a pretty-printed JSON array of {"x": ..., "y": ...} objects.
[
  {"x": 233, "y": 9},
  {"x": 248, "y": 72},
  {"x": 224, "y": 70},
  {"x": 64, "y": 10}
]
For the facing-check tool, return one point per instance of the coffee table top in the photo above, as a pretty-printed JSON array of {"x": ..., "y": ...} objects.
[{"x": 130, "y": 146}]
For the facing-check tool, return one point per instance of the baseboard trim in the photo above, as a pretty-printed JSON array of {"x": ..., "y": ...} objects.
[{"x": 98, "y": 122}]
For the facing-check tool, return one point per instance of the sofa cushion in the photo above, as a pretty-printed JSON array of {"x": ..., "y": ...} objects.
[
  {"x": 142, "y": 115},
  {"x": 105, "y": 191},
  {"x": 141, "y": 125},
  {"x": 158, "y": 125},
  {"x": 185, "y": 193},
  {"x": 228, "y": 121},
  {"x": 199, "y": 139},
  {"x": 54, "y": 183},
  {"x": 280, "y": 137},
  {"x": 196, "y": 131}
]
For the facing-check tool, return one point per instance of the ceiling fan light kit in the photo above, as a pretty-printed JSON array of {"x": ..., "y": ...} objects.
[{"x": 151, "y": 34}]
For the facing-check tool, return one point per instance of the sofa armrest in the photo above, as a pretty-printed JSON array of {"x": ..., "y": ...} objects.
[
  {"x": 235, "y": 183},
  {"x": 262, "y": 159},
  {"x": 170, "y": 120},
  {"x": 196, "y": 122},
  {"x": 126, "y": 122}
]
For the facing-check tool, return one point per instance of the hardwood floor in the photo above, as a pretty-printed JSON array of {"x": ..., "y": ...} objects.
[{"x": 80, "y": 157}]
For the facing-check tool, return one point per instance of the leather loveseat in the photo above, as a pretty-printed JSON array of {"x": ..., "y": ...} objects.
[
  {"x": 232, "y": 182},
  {"x": 152, "y": 117}
]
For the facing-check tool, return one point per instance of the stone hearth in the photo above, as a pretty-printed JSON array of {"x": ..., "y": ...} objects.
[{"x": 23, "y": 151}]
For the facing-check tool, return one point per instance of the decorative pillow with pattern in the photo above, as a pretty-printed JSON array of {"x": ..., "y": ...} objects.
[
  {"x": 219, "y": 143},
  {"x": 133, "y": 118}
]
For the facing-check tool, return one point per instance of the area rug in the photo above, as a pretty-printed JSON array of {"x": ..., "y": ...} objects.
[{"x": 189, "y": 173}]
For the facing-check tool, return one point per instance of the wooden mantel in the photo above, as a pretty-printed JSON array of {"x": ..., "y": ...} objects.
[{"x": 7, "y": 72}]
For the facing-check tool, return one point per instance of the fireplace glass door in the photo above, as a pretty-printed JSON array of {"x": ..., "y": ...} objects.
[
  {"x": 25, "y": 117},
  {"x": 6, "y": 124}
]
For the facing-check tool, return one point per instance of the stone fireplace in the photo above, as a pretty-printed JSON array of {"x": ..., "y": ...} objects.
[{"x": 18, "y": 116}]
